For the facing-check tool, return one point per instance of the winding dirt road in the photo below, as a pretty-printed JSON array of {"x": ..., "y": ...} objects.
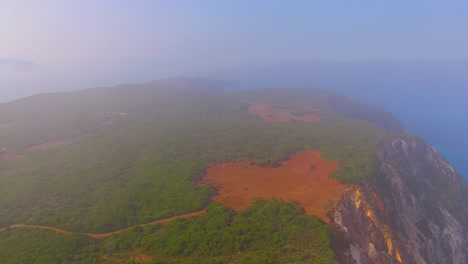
[
  {"x": 269, "y": 113},
  {"x": 104, "y": 235},
  {"x": 304, "y": 179}
]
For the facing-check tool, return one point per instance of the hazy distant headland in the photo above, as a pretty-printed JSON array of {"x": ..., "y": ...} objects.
[
  {"x": 17, "y": 78},
  {"x": 427, "y": 95},
  {"x": 17, "y": 64}
]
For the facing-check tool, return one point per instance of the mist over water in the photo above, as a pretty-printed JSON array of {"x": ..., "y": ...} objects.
[{"x": 20, "y": 80}]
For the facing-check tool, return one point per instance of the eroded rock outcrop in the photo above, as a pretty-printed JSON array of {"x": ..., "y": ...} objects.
[{"x": 413, "y": 211}]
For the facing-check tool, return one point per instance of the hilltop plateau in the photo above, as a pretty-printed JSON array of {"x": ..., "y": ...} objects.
[{"x": 182, "y": 171}]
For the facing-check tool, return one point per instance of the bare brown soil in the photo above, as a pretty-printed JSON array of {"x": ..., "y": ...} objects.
[
  {"x": 304, "y": 179},
  {"x": 47, "y": 146},
  {"x": 103, "y": 235},
  {"x": 10, "y": 157},
  {"x": 271, "y": 114}
]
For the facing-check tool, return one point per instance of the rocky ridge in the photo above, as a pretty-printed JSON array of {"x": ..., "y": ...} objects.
[{"x": 411, "y": 212}]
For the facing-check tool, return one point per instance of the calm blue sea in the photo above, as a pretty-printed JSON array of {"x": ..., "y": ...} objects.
[
  {"x": 449, "y": 137},
  {"x": 440, "y": 118}
]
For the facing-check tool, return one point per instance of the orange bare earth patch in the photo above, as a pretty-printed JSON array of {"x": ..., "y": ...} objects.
[
  {"x": 271, "y": 114},
  {"x": 47, "y": 146},
  {"x": 10, "y": 157},
  {"x": 304, "y": 179}
]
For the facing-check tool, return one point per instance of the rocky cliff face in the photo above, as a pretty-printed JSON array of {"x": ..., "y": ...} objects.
[{"x": 413, "y": 211}]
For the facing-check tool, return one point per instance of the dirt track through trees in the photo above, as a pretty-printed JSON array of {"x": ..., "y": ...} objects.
[
  {"x": 271, "y": 114},
  {"x": 304, "y": 179},
  {"x": 47, "y": 146},
  {"x": 104, "y": 235},
  {"x": 10, "y": 157}
]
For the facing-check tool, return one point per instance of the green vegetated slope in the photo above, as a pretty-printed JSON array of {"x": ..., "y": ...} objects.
[
  {"x": 267, "y": 232},
  {"x": 136, "y": 152},
  {"x": 44, "y": 246}
]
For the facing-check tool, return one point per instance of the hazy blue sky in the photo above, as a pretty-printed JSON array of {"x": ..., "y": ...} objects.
[
  {"x": 217, "y": 33},
  {"x": 88, "y": 43}
]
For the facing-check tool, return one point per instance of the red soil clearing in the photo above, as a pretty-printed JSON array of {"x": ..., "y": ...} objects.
[
  {"x": 10, "y": 157},
  {"x": 303, "y": 179},
  {"x": 272, "y": 114},
  {"x": 48, "y": 145}
]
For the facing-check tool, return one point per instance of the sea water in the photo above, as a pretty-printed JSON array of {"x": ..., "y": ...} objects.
[{"x": 440, "y": 117}]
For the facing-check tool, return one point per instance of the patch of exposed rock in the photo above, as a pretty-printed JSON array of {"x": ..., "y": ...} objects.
[{"x": 413, "y": 211}]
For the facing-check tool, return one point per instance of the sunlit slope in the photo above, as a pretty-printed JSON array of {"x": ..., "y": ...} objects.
[{"x": 135, "y": 153}]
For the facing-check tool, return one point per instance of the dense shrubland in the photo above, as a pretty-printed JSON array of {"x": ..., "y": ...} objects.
[
  {"x": 145, "y": 165},
  {"x": 45, "y": 247}
]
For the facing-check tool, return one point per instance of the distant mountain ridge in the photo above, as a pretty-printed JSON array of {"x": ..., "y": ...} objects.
[{"x": 17, "y": 64}]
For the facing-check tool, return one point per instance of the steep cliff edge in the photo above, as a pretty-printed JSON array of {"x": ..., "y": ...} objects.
[{"x": 413, "y": 211}]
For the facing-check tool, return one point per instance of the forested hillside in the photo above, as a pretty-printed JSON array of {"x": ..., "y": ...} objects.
[{"x": 104, "y": 159}]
